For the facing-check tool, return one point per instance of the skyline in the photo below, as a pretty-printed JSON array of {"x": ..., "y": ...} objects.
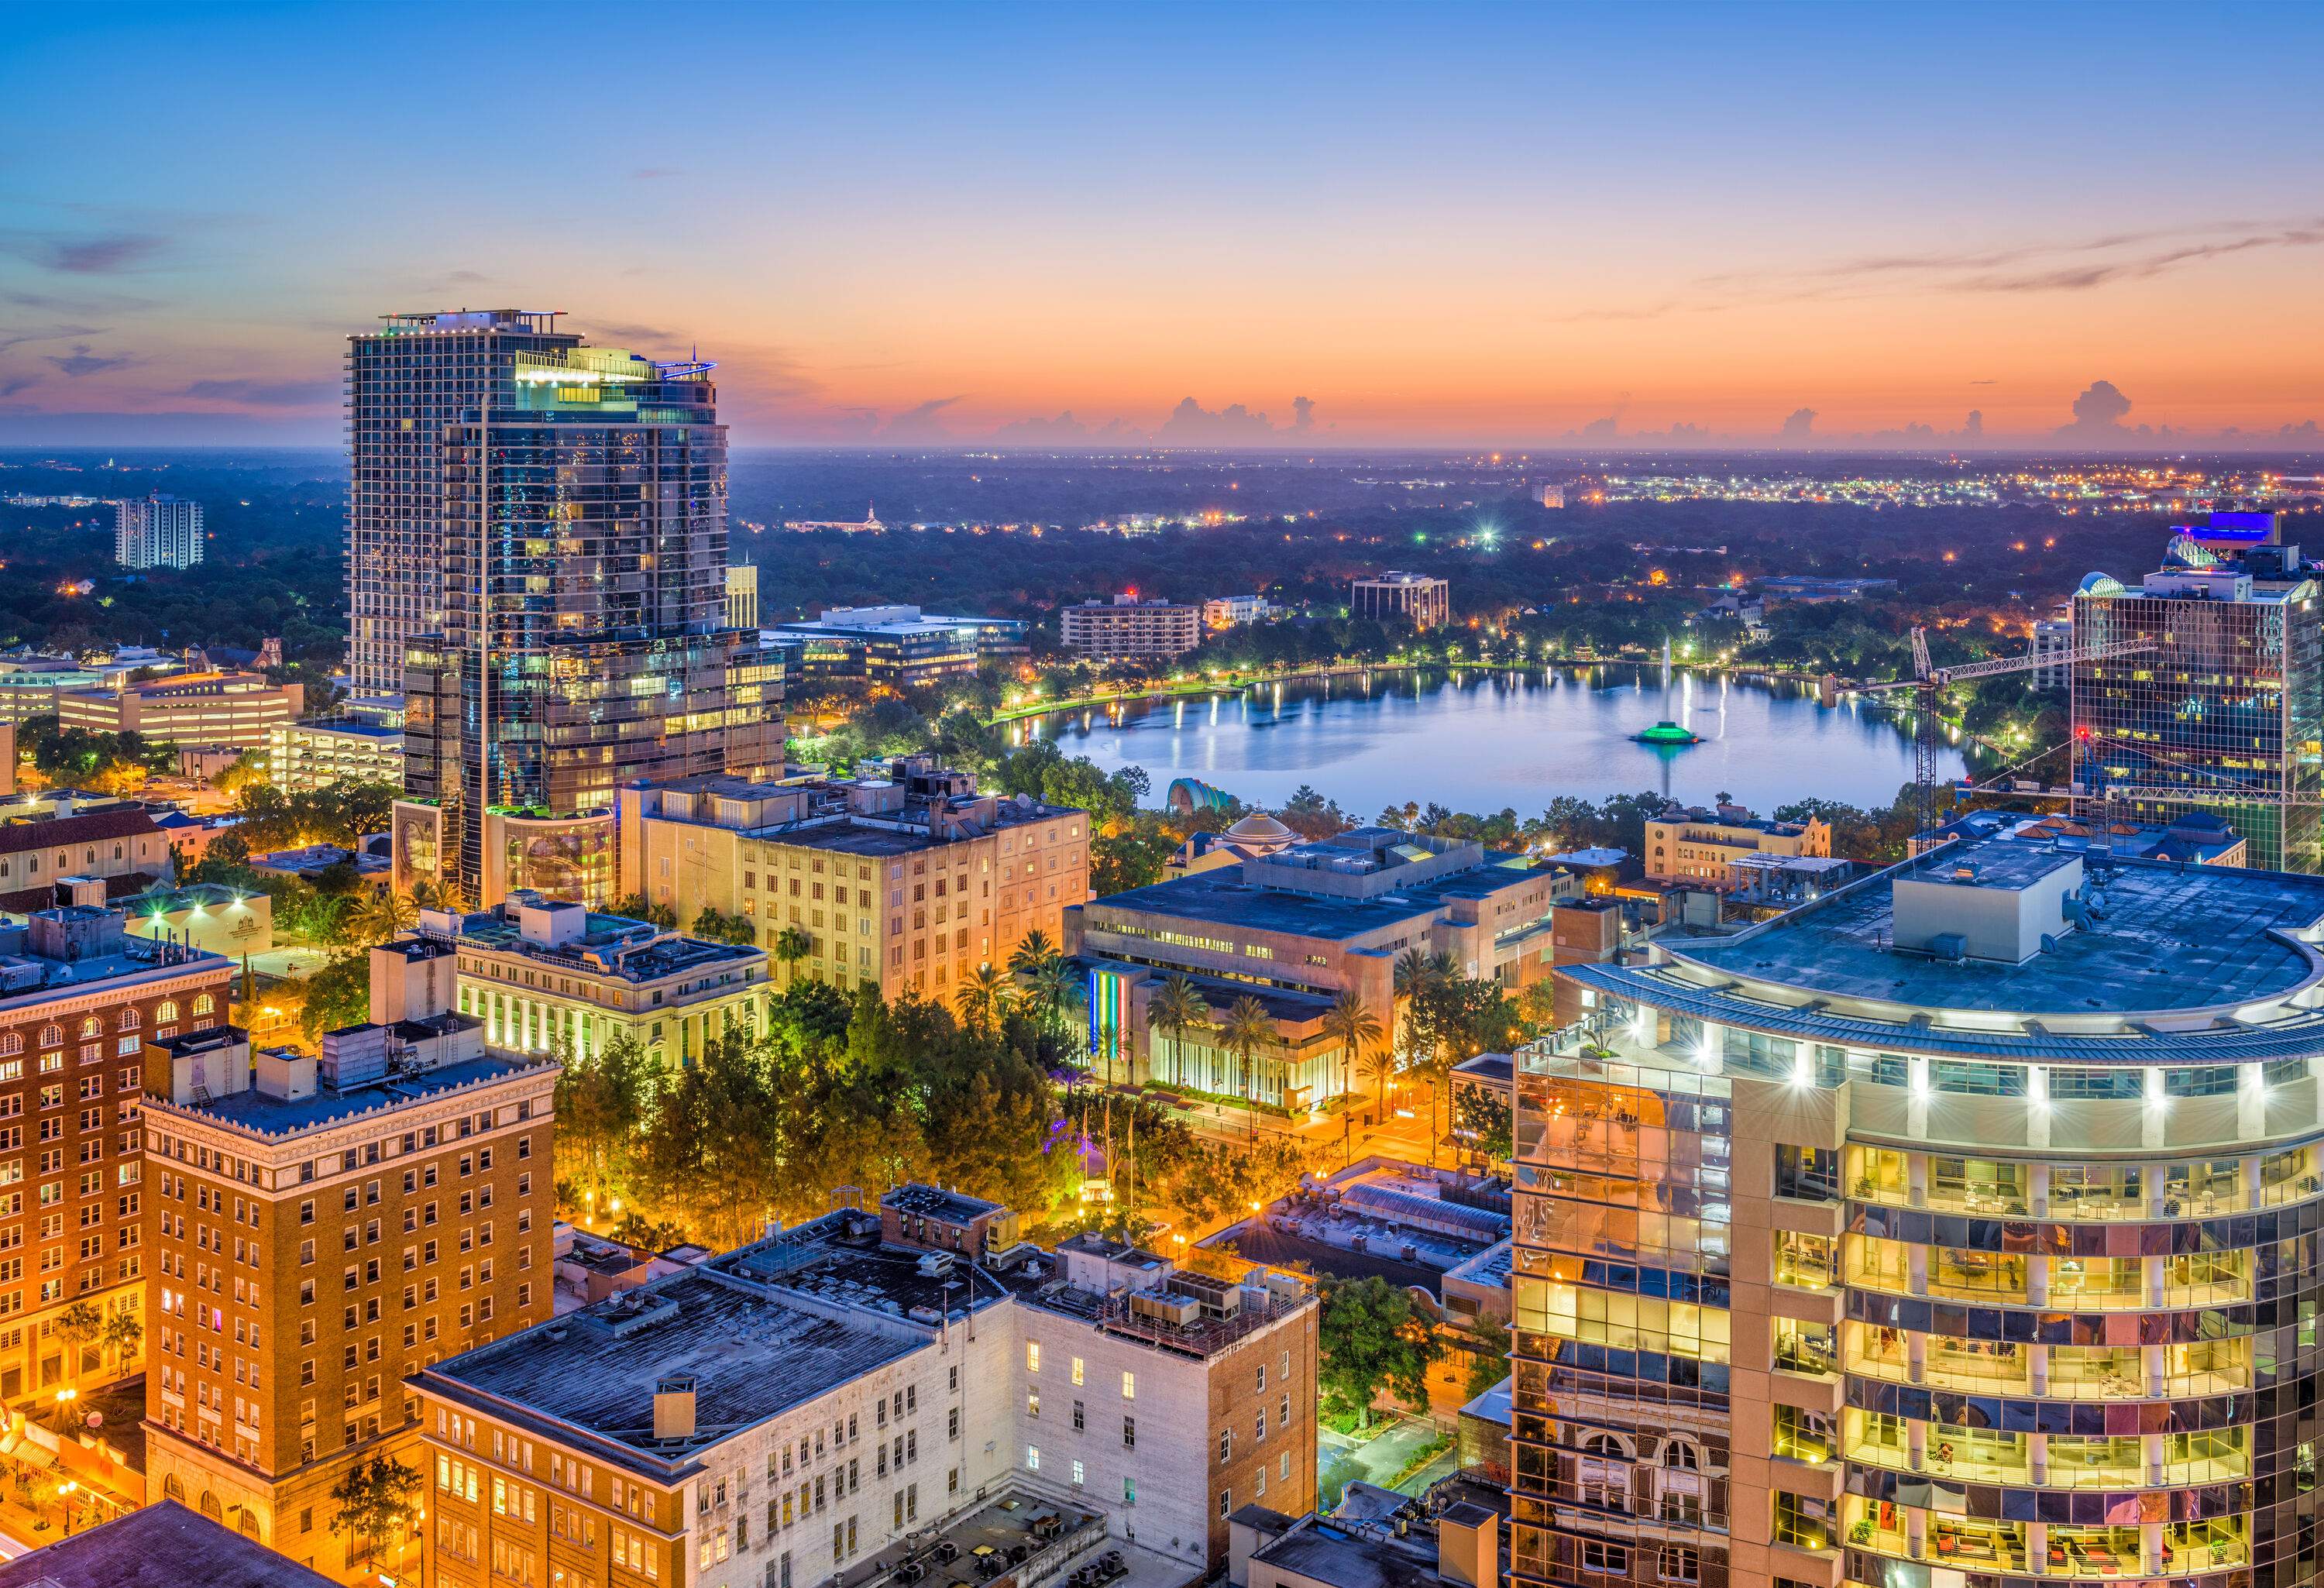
[{"x": 920, "y": 227}]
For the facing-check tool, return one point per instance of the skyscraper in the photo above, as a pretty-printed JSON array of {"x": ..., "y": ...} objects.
[
  {"x": 581, "y": 641},
  {"x": 2203, "y": 689},
  {"x": 406, "y": 382},
  {"x": 157, "y": 531}
]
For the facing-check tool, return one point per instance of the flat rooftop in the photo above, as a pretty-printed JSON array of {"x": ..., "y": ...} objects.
[
  {"x": 2166, "y": 937},
  {"x": 1221, "y": 896},
  {"x": 255, "y": 1111},
  {"x": 1328, "y": 1552},
  {"x": 163, "y": 1546},
  {"x": 751, "y": 1358}
]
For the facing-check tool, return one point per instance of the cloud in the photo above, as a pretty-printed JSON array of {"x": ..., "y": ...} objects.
[
  {"x": 265, "y": 394},
  {"x": 1191, "y": 424},
  {"x": 81, "y": 362},
  {"x": 1799, "y": 428},
  {"x": 2098, "y": 414},
  {"x": 1973, "y": 426},
  {"x": 1036, "y": 430},
  {"x": 1602, "y": 429},
  {"x": 103, "y": 254},
  {"x": 466, "y": 278},
  {"x": 921, "y": 423},
  {"x": 645, "y": 336},
  {"x": 12, "y": 385},
  {"x": 46, "y": 334}
]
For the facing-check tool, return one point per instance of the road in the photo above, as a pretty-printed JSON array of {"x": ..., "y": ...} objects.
[{"x": 1376, "y": 1460}]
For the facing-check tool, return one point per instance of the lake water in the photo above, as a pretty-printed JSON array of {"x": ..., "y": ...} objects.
[{"x": 1479, "y": 741}]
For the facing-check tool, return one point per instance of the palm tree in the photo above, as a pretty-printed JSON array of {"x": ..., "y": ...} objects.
[
  {"x": 1379, "y": 1064},
  {"x": 984, "y": 997},
  {"x": 1355, "y": 1028},
  {"x": 1051, "y": 989},
  {"x": 1033, "y": 950},
  {"x": 1177, "y": 1008},
  {"x": 791, "y": 944},
  {"x": 1248, "y": 1026},
  {"x": 385, "y": 916}
]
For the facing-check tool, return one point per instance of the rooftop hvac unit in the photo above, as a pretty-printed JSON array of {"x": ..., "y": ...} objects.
[{"x": 1179, "y": 1311}]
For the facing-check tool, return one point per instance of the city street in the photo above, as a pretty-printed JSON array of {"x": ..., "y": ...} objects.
[{"x": 1343, "y": 1459}]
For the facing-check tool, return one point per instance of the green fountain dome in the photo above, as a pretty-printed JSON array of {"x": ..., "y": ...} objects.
[{"x": 1667, "y": 733}]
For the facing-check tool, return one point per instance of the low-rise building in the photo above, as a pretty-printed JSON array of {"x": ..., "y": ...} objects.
[
  {"x": 1294, "y": 928},
  {"x": 851, "y": 1395},
  {"x": 1691, "y": 843},
  {"x": 78, "y": 1000},
  {"x": 163, "y": 1546},
  {"x": 119, "y": 845},
  {"x": 384, "y": 1206},
  {"x": 1127, "y": 628},
  {"x": 1419, "y": 599},
  {"x": 208, "y": 916},
  {"x": 906, "y": 882},
  {"x": 1221, "y": 613},
  {"x": 536, "y": 972},
  {"x": 897, "y": 645},
  {"x": 1458, "y": 1546},
  {"x": 237, "y": 709},
  {"x": 319, "y": 754}
]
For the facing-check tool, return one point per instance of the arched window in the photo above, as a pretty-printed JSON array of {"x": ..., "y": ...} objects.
[
  {"x": 204, "y": 1003},
  {"x": 166, "y": 1011},
  {"x": 128, "y": 1020},
  {"x": 248, "y": 1521},
  {"x": 210, "y": 1507},
  {"x": 12, "y": 1042},
  {"x": 1682, "y": 1454},
  {"x": 92, "y": 1027},
  {"x": 50, "y": 1035},
  {"x": 173, "y": 1489}
]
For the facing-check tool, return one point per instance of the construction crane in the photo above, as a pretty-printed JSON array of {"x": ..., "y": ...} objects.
[{"x": 1928, "y": 678}]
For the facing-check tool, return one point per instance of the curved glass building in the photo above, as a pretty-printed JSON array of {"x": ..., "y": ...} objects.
[{"x": 1957, "y": 1229}]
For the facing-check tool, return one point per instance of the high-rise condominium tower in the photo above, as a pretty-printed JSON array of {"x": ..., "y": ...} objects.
[
  {"x": 157, "y": 531},
  {"x": 406, "y": 382},
  {"x": 582, "y": 640}
]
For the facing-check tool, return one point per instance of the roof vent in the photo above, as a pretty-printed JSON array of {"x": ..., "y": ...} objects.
[{"x": 673, "y": 1408}]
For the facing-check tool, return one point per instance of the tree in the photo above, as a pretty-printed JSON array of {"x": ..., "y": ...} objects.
[
  {"x": 1482, "y": 1116},
  {"x": 1354, "y": 1027},
  {"x": 122, "y": 1335},
  {"x": 637, "y": 907},
  {"x": 250, "y": 767},
  {"x": 1489, "y": 1362},
  {"x": 1033, "y": 950},
  {"x": 790, "y": 945},
  {"x": 1369, "y": 1339},
  {"x": 1247, "y": 1028},
  {"x": 376, "y": 1498},
  {"x": 601, "y": 1106},
  {"x": 384, "y": 916},
  {"x": 336, "y": 995},
  {"x": 984, "y": 997},
  {"x": 714, "y": 926},
  {"x": 77, "y": 1325},
  {"x": 1176, "y": 1008}
]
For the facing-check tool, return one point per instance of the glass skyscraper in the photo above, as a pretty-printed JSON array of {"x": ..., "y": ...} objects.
[{"x": 579, "y": 640}]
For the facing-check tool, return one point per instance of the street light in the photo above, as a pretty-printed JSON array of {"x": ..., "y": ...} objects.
[{"x": 66, "y": 1494}]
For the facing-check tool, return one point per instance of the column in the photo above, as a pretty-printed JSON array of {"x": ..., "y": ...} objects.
[
  {"x": 1917, "y": 1178},
  {"x": 2037, "y": 1281},
  {"x": 2037, "y": 1190},
  {"x": 2037, "y": 1457},
  {"x": 2037, "y": 1369}
]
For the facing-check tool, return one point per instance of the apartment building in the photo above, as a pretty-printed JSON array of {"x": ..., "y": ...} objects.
[
  {"x": 319, "y": 754},
  {"x": 1956, "y": 1227},
  {"x": 1690, "y": 843},
  {"x": 79, "y": 1000},
  {"x": 157, "y": 531},
  {"x": 1419, "y": 599},
  {"x": 906, "y": 882},
  {"x": 319, "y": 1229},
  {"x": 1127, "y": 628},
  {"x": 536, "y": 972},
  {"x": 1295, "y": 927},
  {"x": 238, "y": 710},
  {"x": 867, "y": 1389}
]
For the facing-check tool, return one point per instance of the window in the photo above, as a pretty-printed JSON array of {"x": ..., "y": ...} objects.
[
  {"x": 1983, "y": 1080},
  {"x": 1129, "y": 1432},
  {"x": 1077, "y": 1369},
  {"x": 1032, "y": 1458},
  {"x": 1680, "y": 1564},
  {"x": 1808, "y": 1173},
  {"x": 1801, "y": 1521},
  {"x": 1611, "y": 1560},
  {"x": 1032, "y": 1356},
  {"x": 1129, "y": 1386}
]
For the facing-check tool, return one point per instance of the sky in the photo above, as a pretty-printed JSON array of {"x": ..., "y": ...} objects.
[{"x": 1284, "y": 224}]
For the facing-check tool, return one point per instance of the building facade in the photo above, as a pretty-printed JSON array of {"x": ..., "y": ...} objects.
[
  {"x": 407, "y": 382},
  {"x": 1295, "y": 927},
  {"x": 235, "y": 710},
  {"x": 78, "y": 1000},
  {"x": 866, "y": 1387},
  {"x": 1695, "y": 845},
  {"x": 898, "y": 646},
  {"x": 1955, "y": 1228},
  {"x": 1419, "y": 599},
  {"x": 540, "y": 976},
  {"x": 40, "y": 859},
  {"x": 319, "y": 1229},
  {"x": 1127, "y": 628},
  {"x": 2203, "y": 689},
  {"x": 742, "y": 594},
  {"x": 905, "y": 883},
  {"x": 157, "y": 531},
  {"x": 320, "y": 754},
  {"x": 583, "y": 640}
]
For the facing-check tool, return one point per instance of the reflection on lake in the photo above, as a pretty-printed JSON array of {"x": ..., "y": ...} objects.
[{"x": 1479, "y": 741}]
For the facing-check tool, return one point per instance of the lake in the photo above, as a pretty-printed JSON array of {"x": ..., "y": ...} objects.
[{"x": 1479, "y": 741}]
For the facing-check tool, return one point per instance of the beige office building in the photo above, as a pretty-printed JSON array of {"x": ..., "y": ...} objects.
[
  {"x": 1419, "y": 599},
  {"x": 1127, "y": 628},
  {"x": 236, "y": 709}
]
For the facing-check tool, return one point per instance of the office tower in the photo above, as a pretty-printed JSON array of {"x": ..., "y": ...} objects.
[
  {"x": 407, "y": 382},
  {"x": 2203, "y": 689},
  {"x": 1419, "y": 599},
  {"x": 79, "y": 999},
  {"x": 1958, "y": 1227},
  {"x": 583, "y": 640},
  {"x": 742, "y": 595},
  {"x": 157, "y": 531},
  {"x": 321, "y": 1228}
]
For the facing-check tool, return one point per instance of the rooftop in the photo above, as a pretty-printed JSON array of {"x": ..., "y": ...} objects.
[
  {"x": 2157, "y": 937},
  {"x": 163, "y": 1546},
  {"x": 1225, "y": 898},
  {"x": 752, "y": 1357},
  {"x": 261, "y": 1114},
  {"x": 1332, "y": 1553}
]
